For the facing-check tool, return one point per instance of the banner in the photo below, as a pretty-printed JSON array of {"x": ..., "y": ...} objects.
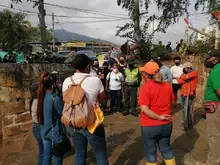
[{"x": 74, "y": 44}]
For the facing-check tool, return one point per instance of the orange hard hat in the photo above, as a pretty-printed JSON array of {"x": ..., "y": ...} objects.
[{"x": 150, "y": 68}]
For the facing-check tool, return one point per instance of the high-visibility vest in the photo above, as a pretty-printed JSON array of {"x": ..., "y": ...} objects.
[{"x": 131, "y": 76}]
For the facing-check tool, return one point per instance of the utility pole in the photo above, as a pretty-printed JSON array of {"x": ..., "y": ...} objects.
[
  {"x": 53, "y": 32},
  {"x": 153, "y": 31},
  {"x": 41, "y": 15},
  {"x": 136, "y": 20},
  {"x": 187, "y": 35}
]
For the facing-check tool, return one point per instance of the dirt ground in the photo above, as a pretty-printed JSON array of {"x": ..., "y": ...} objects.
[{"x": 124, "y": 143}]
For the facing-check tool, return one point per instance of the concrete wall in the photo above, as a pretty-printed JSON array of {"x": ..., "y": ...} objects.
[{"x": 15, "y": 80}]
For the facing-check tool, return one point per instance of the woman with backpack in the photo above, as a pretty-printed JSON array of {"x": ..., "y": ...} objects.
[
  {"x": 94, "y": 94},
  {"x": 36, "y": 126},
  {"x": 49, "y": 111},
  {"x": 155, "y": 100}
]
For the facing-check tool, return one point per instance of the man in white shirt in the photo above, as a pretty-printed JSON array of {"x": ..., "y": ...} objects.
[
  {"x": 176, "y": 72},
  {"x": 114, "y": 84},
  {"x": 95, "y": 93},
  {"x": 93, "y": 86}
]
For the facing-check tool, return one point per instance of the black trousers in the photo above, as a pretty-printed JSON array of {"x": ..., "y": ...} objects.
[
  {"x": 116, "y": 100},
  {"x": 130, "y": 98}
]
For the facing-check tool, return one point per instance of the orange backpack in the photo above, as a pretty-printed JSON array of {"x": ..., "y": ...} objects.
[{"x": 77, "y": 111}]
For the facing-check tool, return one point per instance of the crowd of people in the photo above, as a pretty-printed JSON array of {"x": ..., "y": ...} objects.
[{"x": 158, "y": 87}]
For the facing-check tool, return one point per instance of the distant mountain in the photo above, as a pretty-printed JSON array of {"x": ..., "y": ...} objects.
[{"x": 63, "y": 35}]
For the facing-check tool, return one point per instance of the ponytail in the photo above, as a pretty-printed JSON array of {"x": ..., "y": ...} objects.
[
  {"x": 158, "y": 77},
  {"x": 40, "y": 99}
]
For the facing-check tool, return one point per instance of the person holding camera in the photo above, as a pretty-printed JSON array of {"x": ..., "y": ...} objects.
[{"x": 114, "y": 84}]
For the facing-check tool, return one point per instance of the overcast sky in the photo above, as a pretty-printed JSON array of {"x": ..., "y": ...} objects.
[{"x": 104, "y": 30}]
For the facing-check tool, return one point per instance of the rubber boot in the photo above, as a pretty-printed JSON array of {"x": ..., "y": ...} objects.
[
  {"x": 170, "y": 162},
  {"x": 151, "y": 163}
]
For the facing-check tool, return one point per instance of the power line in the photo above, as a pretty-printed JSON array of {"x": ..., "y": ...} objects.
[
  {"x": 62, "y": 16},
  {"x": 21, "y": 10},
  {"x": 86, "y": 22},
  {"x": 63, "y": 29},
  {"x": 87, "y": 11},
  {"x": 97, "y": 21}
]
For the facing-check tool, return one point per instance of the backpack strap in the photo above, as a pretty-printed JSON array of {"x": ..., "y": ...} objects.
[
  {"x": 83, "y": 80},
  {"x": 73, "y": 82},
  {"x": 109, "y": 76},
  {"x": 71, "y": 78}
]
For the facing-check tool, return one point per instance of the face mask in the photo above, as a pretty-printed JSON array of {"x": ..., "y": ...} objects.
[
  {"x": 115, "y": 70},
  {"x": 159, "y": 63},
  {"x": 177, "y": 63},
  {"x": 96, "y": 66},
  {"x": 209, "y": 64},
  {"x": 131, "y": 66},
  {"x": 122, "y": 61}
]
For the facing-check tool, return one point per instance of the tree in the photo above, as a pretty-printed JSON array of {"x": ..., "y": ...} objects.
[
  {"x": 171, "y": 11},
  {"x": 13, "y": 30},
  {"x": 35, "y": 34},
  {"x": 204, "y": 45},
  {"x": 41, "y": 16}
]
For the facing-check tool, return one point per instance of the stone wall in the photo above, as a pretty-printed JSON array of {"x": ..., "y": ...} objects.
[{"x": 15, "y": 80}]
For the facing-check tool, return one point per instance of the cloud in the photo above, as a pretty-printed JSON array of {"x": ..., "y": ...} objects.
[{"x": 102, "y": 30}]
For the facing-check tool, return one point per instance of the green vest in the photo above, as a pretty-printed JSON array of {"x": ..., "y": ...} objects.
[{"x": 131, "y": 76}]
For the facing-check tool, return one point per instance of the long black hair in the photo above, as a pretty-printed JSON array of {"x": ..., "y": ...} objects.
[{"x": 46, "y": 82}]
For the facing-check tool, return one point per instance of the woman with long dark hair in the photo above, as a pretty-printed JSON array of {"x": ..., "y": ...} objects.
[
  {"x": 36, "y": 125},
  {"x": 49, "y": 111}
]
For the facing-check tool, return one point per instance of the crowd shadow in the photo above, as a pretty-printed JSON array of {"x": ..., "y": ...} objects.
[
  {"x": 131, "y": 154},
  {"x": 113, "y": 141},
  {"x": 198, "y": 115},
  {"x": 184, "y": 145},
  {"x": 176, "y": 109}
]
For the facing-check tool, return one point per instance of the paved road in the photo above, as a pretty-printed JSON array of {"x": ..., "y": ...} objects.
[{"x": 124, "y": 144}]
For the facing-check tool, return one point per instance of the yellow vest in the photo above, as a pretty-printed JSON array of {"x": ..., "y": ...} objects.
[{"x": 131, "y": 76}]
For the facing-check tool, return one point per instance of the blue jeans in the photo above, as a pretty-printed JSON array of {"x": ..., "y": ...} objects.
[
  {"x": 116, "y": 99},
  {"x": 154, "y": 136},
  {"x": 183, "y": 111},
  {"x": 37, "y": 135},
  {"x": 48, "y": 153},
  {"x": 81, "y": 138}
]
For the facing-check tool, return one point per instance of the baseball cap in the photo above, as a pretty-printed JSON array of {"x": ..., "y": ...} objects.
[
  {"x": 150, "y": 68},
  {"x": 213, "y": 53},
  {"x": 187, "y": 65}
]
